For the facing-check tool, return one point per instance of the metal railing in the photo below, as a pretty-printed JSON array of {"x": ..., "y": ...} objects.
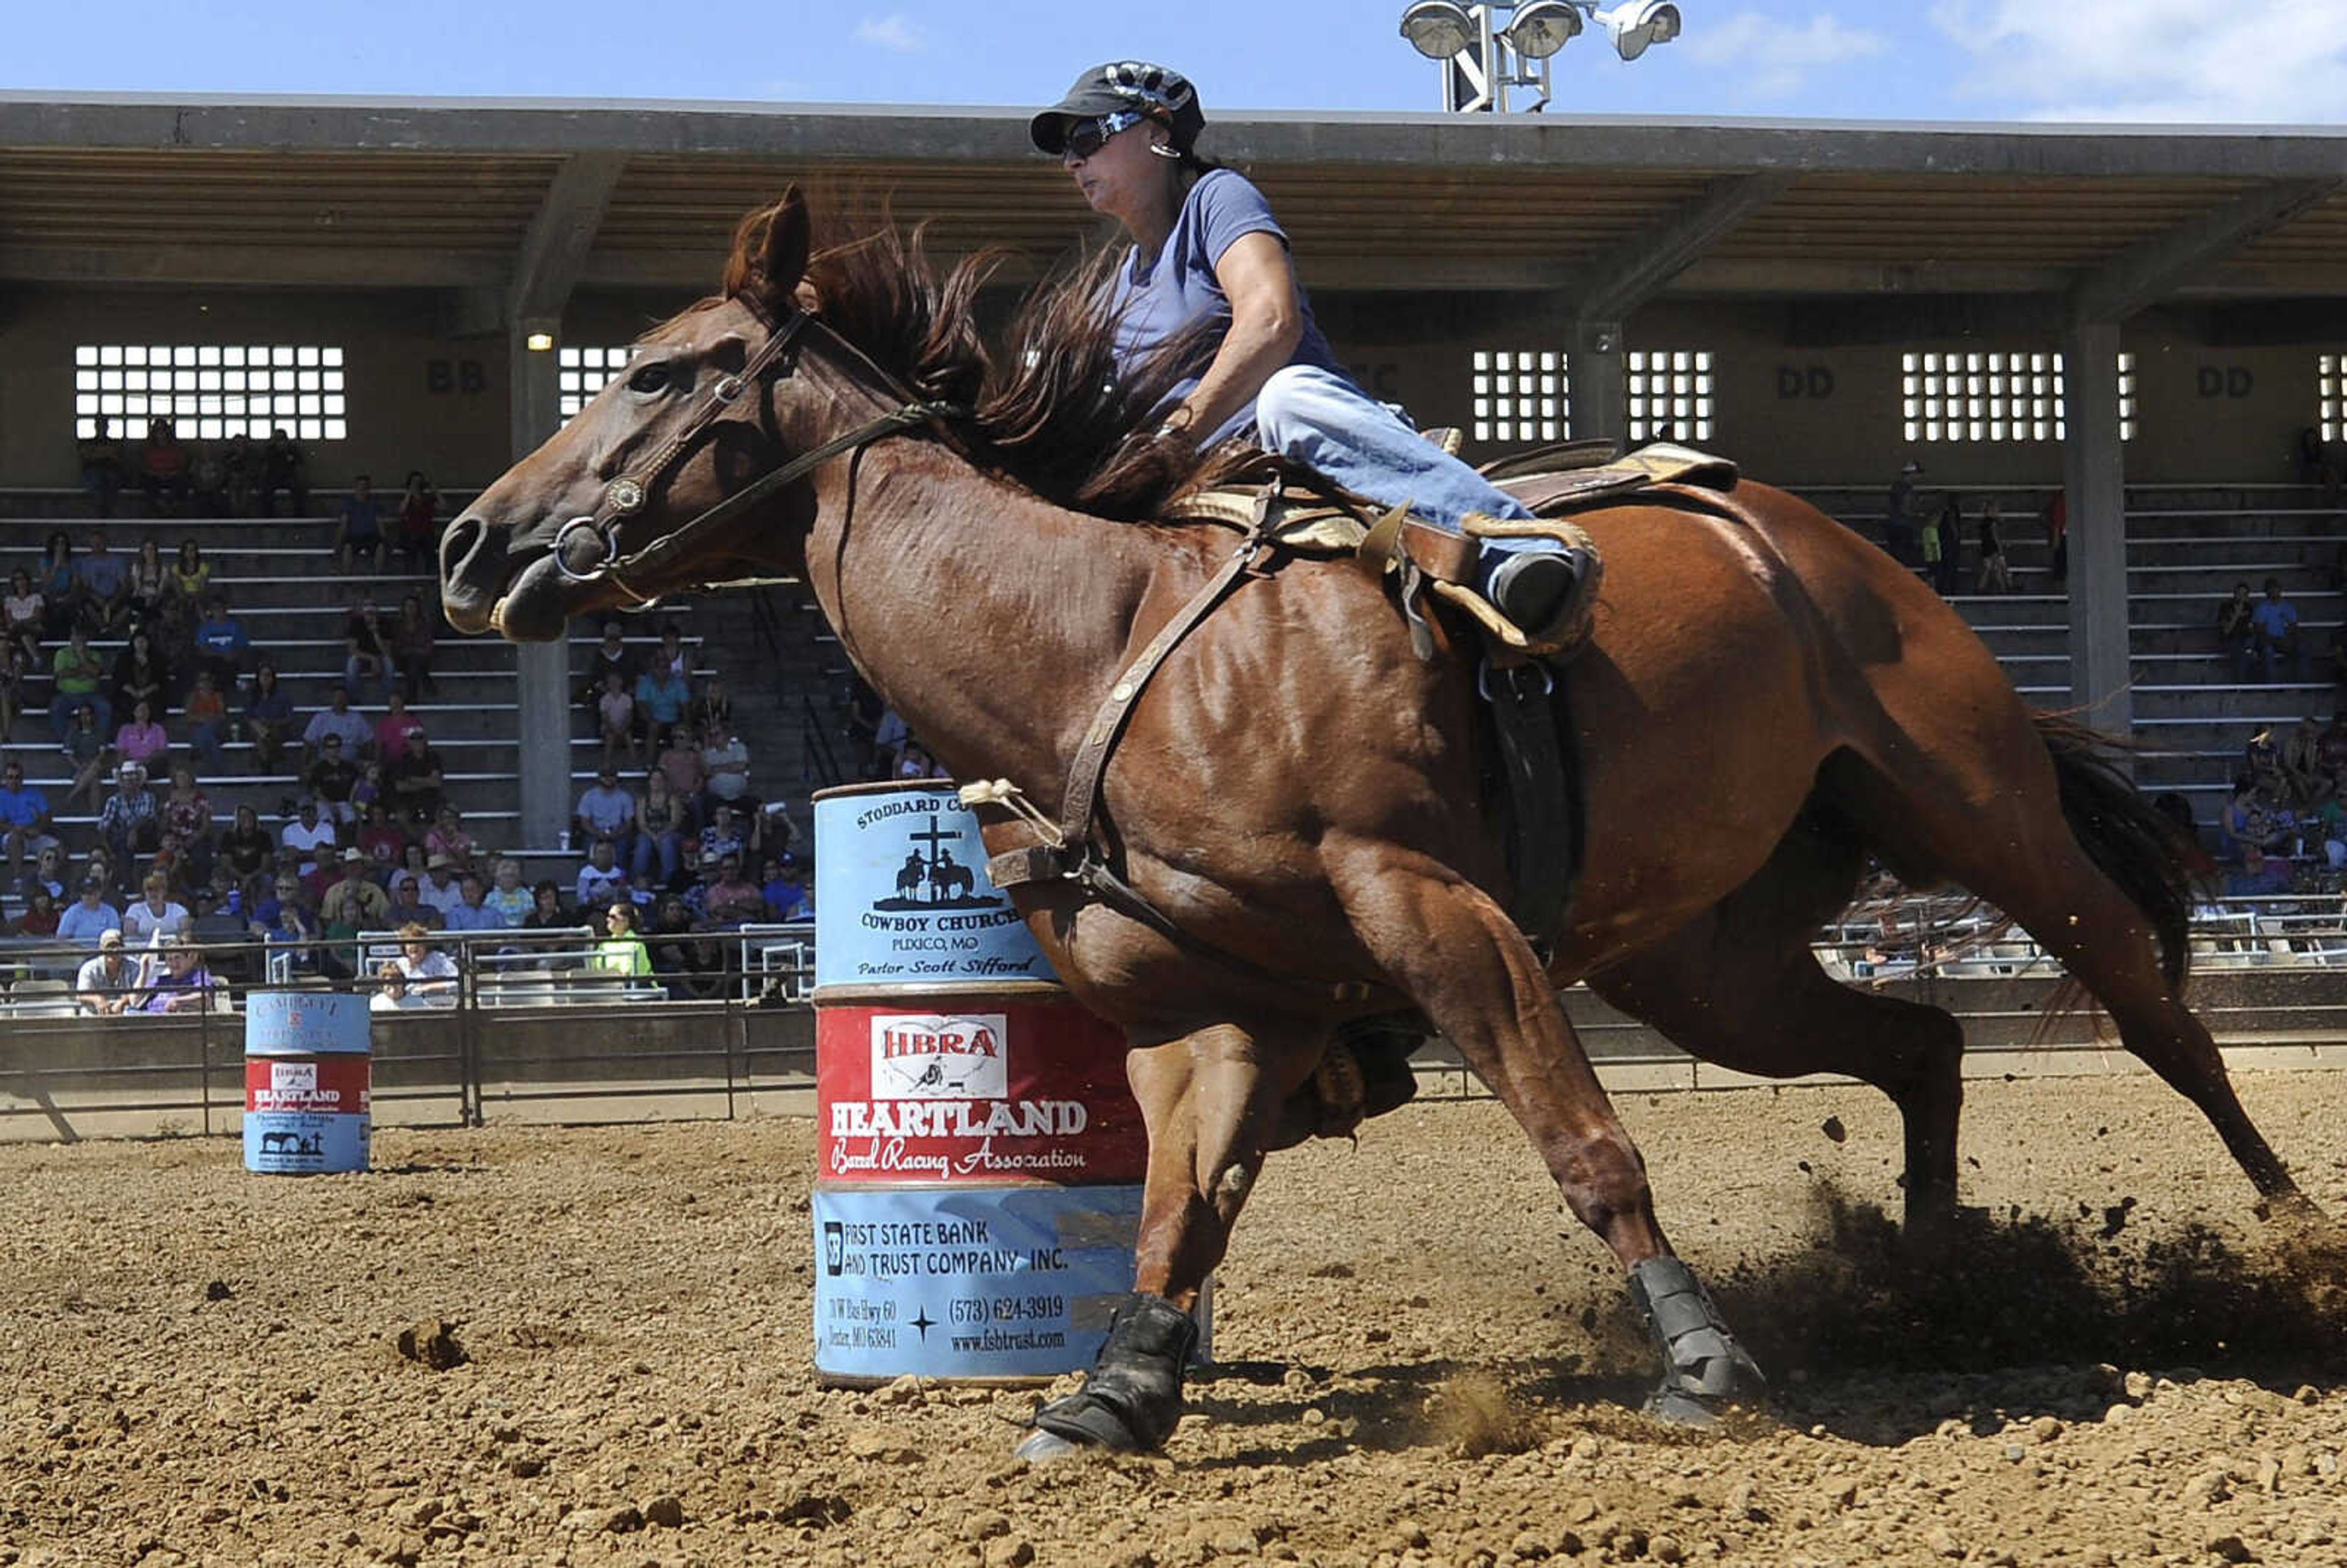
[{"x": 533, "y": 1029}]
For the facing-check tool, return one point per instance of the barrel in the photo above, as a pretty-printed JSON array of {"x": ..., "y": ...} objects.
[
  {"x": 979, "y": 1154},
  {"x": 308, "y": 1089}
]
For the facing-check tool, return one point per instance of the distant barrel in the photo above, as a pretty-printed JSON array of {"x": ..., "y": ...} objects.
[{"x": 308, "y": 1088}]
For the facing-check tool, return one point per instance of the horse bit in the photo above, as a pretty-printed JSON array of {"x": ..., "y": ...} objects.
[{"x": 626, "y": 493}]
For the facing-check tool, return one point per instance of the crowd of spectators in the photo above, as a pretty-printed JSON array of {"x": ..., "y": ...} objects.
[
  {"x": 238, "y": 477},
  {"x": 2285, "y": 828},
  {"x": 672, "y": 828},
  {"x": 146, "y": 677},
  {"x": 151, "y": 687}
]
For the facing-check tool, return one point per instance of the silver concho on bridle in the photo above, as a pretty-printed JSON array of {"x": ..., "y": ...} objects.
[{"x": 621, "y": 497}]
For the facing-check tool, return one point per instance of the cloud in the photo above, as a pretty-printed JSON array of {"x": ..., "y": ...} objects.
[
  {"x": 2154, "y": 61},
  {"x": 1779, "y": 56},
  {"x": 896, "y": 32}
]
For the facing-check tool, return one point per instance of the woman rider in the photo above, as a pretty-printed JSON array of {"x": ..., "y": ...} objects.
[{"x": 1206, "y": 246}]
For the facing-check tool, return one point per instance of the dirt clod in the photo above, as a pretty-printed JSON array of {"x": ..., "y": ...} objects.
[{"x": 432, "y": 1342}]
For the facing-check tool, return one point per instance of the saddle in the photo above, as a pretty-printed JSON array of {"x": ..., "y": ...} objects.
[{"x": 1553, "y": 483}]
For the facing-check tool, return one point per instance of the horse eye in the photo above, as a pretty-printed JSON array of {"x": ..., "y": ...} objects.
[{"x": 650, "y": 377}]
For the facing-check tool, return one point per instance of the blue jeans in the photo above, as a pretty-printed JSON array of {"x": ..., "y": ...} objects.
[
  {"x": 1324, "y": 420},
  {"x": 666, "y": 849},
  {"x": 204, "y": 739},
  {"x": 362, "y": 676}
]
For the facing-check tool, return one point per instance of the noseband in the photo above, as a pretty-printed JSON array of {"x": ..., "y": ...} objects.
[{"x": 625, "y": 495}]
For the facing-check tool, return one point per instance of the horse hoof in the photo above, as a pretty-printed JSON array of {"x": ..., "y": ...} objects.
[
  {"x": 2294, "y": 1212},
  {"x": 1040, "y": 1447},
  {"x": 1676, "y": 1407}
]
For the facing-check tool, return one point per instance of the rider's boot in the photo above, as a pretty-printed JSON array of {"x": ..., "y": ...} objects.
[{"x": 1544, "y": 587}]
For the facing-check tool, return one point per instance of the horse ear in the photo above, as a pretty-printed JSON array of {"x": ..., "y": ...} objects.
[{"x": 784, "y": 260}]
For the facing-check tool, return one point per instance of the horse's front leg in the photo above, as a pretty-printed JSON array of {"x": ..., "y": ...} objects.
[
  {"x": 1460, "y": 959},
  {"x": 1212, "y": 1102}
]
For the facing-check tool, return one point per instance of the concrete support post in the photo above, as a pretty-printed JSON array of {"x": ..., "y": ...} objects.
[
  {"x": 544, "y": 722},
  {"x": 1600, "y": 383},
  {"x": 2094, "y": 471}
]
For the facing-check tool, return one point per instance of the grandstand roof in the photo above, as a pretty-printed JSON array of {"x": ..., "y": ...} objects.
[{"x": 470, "y": 193}]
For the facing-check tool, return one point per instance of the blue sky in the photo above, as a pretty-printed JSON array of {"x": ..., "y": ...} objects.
[{"x": 2183, "y": 61}]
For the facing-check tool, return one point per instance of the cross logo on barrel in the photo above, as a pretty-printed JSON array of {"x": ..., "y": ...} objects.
[{"x": 936, "y": 880}]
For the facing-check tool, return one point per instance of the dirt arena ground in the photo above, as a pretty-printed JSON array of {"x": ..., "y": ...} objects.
[{"x": 2119, "y": 1365}]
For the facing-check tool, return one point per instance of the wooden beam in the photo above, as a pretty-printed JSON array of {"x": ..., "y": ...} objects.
[
  {"x": 561, "y": 236},
  {"x": 2143, "y": 272},
  {"x": 210, "y": 265},
  {"x": 1640, "y": 266}
]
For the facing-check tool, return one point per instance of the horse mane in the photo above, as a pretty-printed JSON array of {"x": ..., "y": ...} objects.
[{"x": 1050, "y": 412}]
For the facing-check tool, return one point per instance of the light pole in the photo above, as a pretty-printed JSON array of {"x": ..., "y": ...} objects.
[{"x": 1484, "y": 49}]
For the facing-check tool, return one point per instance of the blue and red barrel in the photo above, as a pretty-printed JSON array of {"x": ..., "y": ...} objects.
[
  {"x": 308, "y": 1083},
  {"x": 980, "y": 1153}
]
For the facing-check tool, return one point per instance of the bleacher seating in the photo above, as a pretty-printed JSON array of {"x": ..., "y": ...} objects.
[
  {"x": 280, "y": 577},
  {"x": 2187, "y": 546}
]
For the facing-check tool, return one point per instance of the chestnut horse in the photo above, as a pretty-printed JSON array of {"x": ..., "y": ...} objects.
[{"x": 1765, "y": 700}]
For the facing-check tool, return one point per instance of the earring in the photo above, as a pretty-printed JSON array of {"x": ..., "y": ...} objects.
[{"x": 1159, "y": 149}]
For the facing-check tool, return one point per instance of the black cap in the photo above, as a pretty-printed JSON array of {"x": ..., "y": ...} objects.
[{"x": 1164, "y": 95}]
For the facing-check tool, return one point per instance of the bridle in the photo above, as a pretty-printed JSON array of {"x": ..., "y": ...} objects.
[{"x": 625, "y": 495}]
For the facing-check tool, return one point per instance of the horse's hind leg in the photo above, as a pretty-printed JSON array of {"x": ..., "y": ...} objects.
[
  {"x": 1990, "y": 816},
  {"x": 1466, "y": 966},
  {"x": 1212, "y": 1102},
  {"x": 1742, "y": 987},
  {"x": 2086, "y": 923}
]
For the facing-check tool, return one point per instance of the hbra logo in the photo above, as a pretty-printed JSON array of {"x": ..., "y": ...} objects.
[
  {"x": 936, "y": 1056},
  {"x": 948, "y": 1037}
]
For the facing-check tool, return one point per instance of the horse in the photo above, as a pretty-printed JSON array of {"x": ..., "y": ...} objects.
[
  {"x": 950, "y": 880},
  {"x": 1764, "y": 701}
]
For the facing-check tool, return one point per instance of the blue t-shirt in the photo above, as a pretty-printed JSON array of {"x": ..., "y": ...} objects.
[
  {"x": 101, "y": 574},
  {"x": 2275, "y": 617},
  {"x": 665, "y": 700},
  {"x": 226, "y": 635},
  {"x": 362, "y": 517},
  {"x": 82, "y": 924},
  {"x": 1154, "y": 306},
  {"x": 23, "y": 807}
]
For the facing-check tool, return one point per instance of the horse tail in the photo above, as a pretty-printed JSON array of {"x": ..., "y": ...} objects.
[{"x": 2155, "y": 861}]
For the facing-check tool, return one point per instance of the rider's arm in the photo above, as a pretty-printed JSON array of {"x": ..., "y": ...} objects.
[{"x": 1266, "y": 324}]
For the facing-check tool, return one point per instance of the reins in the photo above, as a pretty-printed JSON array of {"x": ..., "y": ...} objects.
[{"x": 626, "y": 493}]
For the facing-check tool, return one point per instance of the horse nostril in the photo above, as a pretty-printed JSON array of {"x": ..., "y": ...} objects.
[{"x": 458, "y": 543}]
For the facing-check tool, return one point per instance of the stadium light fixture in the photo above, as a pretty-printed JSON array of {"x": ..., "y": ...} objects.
[
  {"x": 1636, "y": 25},
  {"x": 538, "y": 343},
  {"x": 1485, "y": 48},
  {"x": 1438, "y": 29},
  {"x": 1542, "y": 28}
]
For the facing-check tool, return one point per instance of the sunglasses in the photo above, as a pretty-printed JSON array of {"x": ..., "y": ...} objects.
[{"x": 1087, "y": 137}]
